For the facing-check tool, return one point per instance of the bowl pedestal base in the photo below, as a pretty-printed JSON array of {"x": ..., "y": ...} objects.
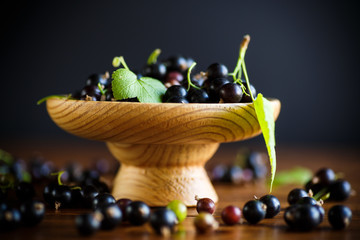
[{"x": 160, "y": 173}]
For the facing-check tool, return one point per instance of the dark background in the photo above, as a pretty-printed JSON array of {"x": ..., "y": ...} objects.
[{"x": 305, "y": 53}]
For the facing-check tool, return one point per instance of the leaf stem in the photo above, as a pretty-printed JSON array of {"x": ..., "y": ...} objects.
[
  {"x": 190, "y": 84},
  {"x": 118, "y": 61},
  {"x": 153, "y": 56},
  {"x": 247, "y": 79},
  {"x": 58, "y": 174}
]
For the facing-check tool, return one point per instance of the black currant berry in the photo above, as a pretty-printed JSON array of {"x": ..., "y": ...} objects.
[
  {"x": 230, "y": 93},
  {"x": 87, "y": 223},
  {"x": 197, "y": 96},
  {"x": 254, "y": 211},
  {"x": 95, "y": 79},
  {"x": 175, "y": 91},
  {"x": 123, "y": 203},
  {"x": 176, "y": 63},
  {"x": 324, "y": 176},
  {"x": 10, "y": 219},
  {"x": 213, "y": 88},
  {"x": 90, "y": 92},
  {"x": 217, "y": 70},
  {"x": 62, "y": 196},
  {"x": 89, "y": 193},
  {"x": 307, "y": 200},
  {"x": 137, "y": 213},
  {"x": 163, "y": 221},
  {"x": 339, "y": 216},
  {"x": 32, "y": 212},
  {"x": 247, "y": 97},
  {"x": 272, "y": 205},
  {"x": 340, "y": 190},
  {"x": 295, "y": 194},
  {"x": 25, "y": 191},
  {"x": 102, "y": 200},
  {"x": 302, "y": 217},
  {"x": 112, "y": 216},
  {"x": 155, "y": 70}
]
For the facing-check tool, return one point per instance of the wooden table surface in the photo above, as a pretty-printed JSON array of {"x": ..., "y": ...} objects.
[{"x": 60, "y": 224}]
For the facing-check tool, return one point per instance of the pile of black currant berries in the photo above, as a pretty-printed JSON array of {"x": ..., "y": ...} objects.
[
  {"x": 248, "y": 166},
  {"x": 268, "y": 206},
  {"x": 108, "y": 214},
  {"x": 212, "y": 86},
  {"x": 306, "y": 212},
  {"x": 18, "y": 203}
]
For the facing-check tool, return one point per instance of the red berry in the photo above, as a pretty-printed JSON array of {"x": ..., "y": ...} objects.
[
  {"x": 231, "y": 215},
  {"x": 205, "y": 205}
]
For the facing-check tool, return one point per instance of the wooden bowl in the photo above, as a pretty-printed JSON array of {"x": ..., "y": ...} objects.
[{"x": 162, "y": 147}]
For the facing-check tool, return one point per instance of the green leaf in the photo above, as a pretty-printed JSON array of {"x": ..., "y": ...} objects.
[
  {"x": 265, "y": 114},
  {"x": 296, "y": 175},
  {"x": 126, "y": 85},
  {"x": 151, "y": 90}
]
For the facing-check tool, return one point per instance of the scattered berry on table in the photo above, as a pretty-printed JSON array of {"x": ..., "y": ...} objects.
[
  {"x": 205, "y": 205},
  {"x": 231, "y": 215}
]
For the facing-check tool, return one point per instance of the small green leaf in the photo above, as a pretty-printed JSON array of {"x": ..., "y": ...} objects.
[
  {"x": 265, "y": 114},
  {"x": 151, "y": 90},
  {"x": 126, "y": 85}
]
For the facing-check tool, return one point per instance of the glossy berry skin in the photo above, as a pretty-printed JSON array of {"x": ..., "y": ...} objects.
[
  {"x": 272, "y": 205},
  {"x": 197, "y": 96},
  {"x": 87, "y": 224},
  {"x": 112, "y": 216},
  {"x": 123, "y": 203},
  {"x": 61, "y": 194},
  {"x": 25, "y": 191},
  {"x": 307, "y": 200},
  {"x": 163, "y": 221},
  {"x": 324, "y": 176},
  {"x": 314, "y": 187},
  {"x": 321, "y": 211},
  {"x": 295, "y": 194},
  {"x": 177, "y": 100},
  {"x": 176, "y": 63},
  {"x": 10, "y": 219},
  {"x": 340, "y": 190},
  {"x": 102, "y": 200},
  {"x": 213, "y": 88},
  {"x": 302, "y": 217},
  {"x": 247, "y": 97},
  {"x": 339, "y": 216},
  {"x": 89, "y": 193},
  {"x": 91, "y": 91},
  {"x": 47, "y": 193},
  {"x": 254, "y": 211},
  {"x": 205, "y": 222},
  {"x": 205, "y": 205},
  {"x": 230, "y": 93},
  {"x": 217, "y": 70},
  {"x": 231, "y": 215},
  {"x": 32, "y": 212},
  {"x": 138, "y": 213},
  {"x": 177, "y": 91},
  {"x": 96, "y": 78},
  {"x": 174, "y": 75},
  {"x": 155, "y": 70},
  {"x": 179, "y": 208}
]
